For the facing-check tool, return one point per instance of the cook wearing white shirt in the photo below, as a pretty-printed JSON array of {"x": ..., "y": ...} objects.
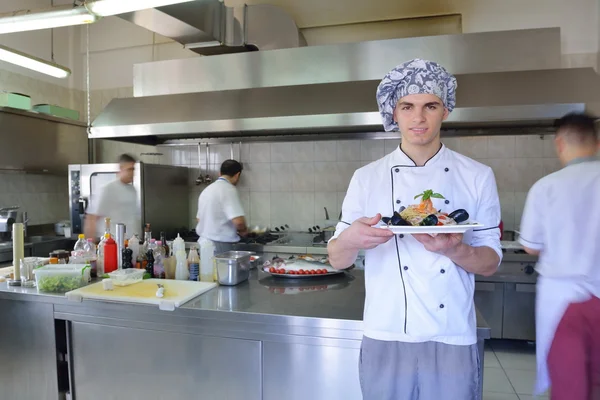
[
  {"x": 220, "y": 215},
  {"x": 117, "y": 201},
  {"x": 561, "y": 224},
  {"x": 419, "y": 317}
]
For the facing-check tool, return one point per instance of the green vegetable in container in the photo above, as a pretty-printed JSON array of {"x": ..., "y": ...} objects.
[{"x": 59, "y": 283}]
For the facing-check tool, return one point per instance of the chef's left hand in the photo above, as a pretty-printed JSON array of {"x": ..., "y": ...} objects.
[{"x": 440, "y": 243}]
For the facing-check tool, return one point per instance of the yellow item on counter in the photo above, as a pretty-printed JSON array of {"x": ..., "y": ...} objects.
[{"x": 215, "y": 275}]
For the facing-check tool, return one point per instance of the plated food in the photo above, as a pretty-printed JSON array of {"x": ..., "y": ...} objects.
[
  {"x": 299, "y": 267},
  {"x": 429, "y": 220}
]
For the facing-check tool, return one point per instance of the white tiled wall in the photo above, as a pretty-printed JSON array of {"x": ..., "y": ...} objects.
[
  {"x": 44, "y": 197},
  {"x": 291, "y": 183}
]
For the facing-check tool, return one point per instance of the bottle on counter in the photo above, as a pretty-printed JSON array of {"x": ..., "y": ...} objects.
[
  {"x": 100, "y": 255},
  {"x": 159, "y": 256},
  {"x": 106, "y": 227},
  {"x": 127, "y": 256},
  {"x": 79, "y": 247},
  {"x": 110, "y": 256},
  {"x": 147, "y": 238},
  {"x": 207, "y": 261},
  {"x": 91, "y": 257},
  {"x": 163, "y": 239},
  {"x": 149, "y": 258},
  {"x": 134, "y": 245},
  {"x": 181, "y": 269},
  {"x": 193, "y": 261}
]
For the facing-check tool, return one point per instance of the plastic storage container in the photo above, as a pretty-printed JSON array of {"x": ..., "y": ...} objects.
[
  {"x": 126, "y": 277},
  {"x": 62, "y": 277}
]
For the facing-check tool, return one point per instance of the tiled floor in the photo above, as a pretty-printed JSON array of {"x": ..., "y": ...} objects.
[{"x": 509, "y": 371}]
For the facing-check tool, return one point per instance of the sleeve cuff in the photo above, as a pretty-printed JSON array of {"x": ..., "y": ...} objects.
[{"x": 530, "y": 244}]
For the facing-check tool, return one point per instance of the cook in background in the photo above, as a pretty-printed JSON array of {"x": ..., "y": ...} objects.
[
  {"x": 419, "y": 319},
  {"x": 561, "y": 224},
  {"x": 220, "y": 217},
  {"x": 117, "y": 201}
]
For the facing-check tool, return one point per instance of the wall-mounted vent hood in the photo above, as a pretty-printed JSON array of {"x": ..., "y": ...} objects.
[
  {"x": 331, "y": 89},
  {"x": 208, "y": 27}
]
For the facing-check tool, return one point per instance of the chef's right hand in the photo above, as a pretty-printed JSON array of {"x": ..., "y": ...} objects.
[{"x": 362, "y": 236}]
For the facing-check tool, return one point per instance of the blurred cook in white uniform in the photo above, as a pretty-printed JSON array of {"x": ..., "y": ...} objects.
[
  {"x": 117, "y": 201},
  {"x": 420, "y": 325},
  {"x": 561, "y": 224}
]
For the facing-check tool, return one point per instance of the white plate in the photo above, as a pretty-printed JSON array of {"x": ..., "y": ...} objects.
[
  {"x": 293, "y": 276},
  {"x": 459, "y": 228}
]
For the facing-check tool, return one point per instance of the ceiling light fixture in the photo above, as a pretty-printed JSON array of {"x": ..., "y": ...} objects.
[
  {"x": 28, "y": 20},
  {"x": 33, "y": 63},
  {"x": 105, "y": 8}
]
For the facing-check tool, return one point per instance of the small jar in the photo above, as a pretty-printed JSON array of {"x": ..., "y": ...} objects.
[{"x": 61, "y": 255}]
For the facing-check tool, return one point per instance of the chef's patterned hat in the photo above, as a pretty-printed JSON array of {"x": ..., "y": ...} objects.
[{"x": 414, "y": 77}]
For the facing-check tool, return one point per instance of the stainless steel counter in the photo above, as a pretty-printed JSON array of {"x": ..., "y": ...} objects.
[{"x": 249, "y": 341}]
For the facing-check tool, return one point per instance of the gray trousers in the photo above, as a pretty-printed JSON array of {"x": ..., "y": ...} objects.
[
  {"x": 418, "y": 371},
  {"x": 222, "y": 247}
]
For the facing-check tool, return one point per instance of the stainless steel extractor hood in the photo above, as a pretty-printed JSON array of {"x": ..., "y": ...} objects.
[
  {"x": 209, "y": 27},
  {"x": 270, "y": 93}
]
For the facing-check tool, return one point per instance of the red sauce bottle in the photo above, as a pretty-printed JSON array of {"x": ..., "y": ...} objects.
[{"x": 110, "y": 256}]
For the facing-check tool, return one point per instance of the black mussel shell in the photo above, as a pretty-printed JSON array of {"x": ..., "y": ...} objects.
[
  {"x": 397, "y": 220},
  {"x": 429, "y": 220},
  {"x": 401, "y": 209},
  {"x": 459, "y": 215},
  {"x": 386, "y": 220}
]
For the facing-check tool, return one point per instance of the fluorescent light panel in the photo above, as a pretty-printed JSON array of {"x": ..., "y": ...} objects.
[
  {"x": 105, "y": 8},
  {"x": 56, "y": 17},
  {"x": 33, "y": 63},
  {"x": 30, "y": 21}
]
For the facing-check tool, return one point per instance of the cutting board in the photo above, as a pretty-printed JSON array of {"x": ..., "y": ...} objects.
[{"x": 176, "y": 292}]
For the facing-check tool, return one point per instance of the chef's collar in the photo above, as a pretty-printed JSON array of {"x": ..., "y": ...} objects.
[
  {"x": 581, "y": 160},
  {"x": 402, "y": 159}
]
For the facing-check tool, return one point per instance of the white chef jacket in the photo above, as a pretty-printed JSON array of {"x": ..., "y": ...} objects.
[
  {"x": 117, "y": 201},
  {"x": 414, "y": 295},
  {"x": 561, "y": 219},
  {"x": 218, "y": 204}
]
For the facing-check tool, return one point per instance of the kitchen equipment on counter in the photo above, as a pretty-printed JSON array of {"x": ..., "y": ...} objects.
[
  {"x": 233, "y": 267},
  {"x": 9, "y": 216},
  {"x": 59, "y": 227},
  {"x": 162, "y": 194},
  {"x": 176, "y": 293}
]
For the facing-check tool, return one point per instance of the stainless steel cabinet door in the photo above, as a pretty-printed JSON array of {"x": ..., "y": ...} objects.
[
  {"x": 300, "y": 372},
  {"x": 114, "y": 363},
  {"x": 488, "y": 300},
  {"x": 28, "y": 351},
  {"x": 519, "y": 311}
]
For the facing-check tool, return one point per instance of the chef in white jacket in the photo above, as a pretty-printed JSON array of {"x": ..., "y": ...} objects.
[
  {"x": 419, "y": 318},
  {"x": 561, "y": 224}
]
